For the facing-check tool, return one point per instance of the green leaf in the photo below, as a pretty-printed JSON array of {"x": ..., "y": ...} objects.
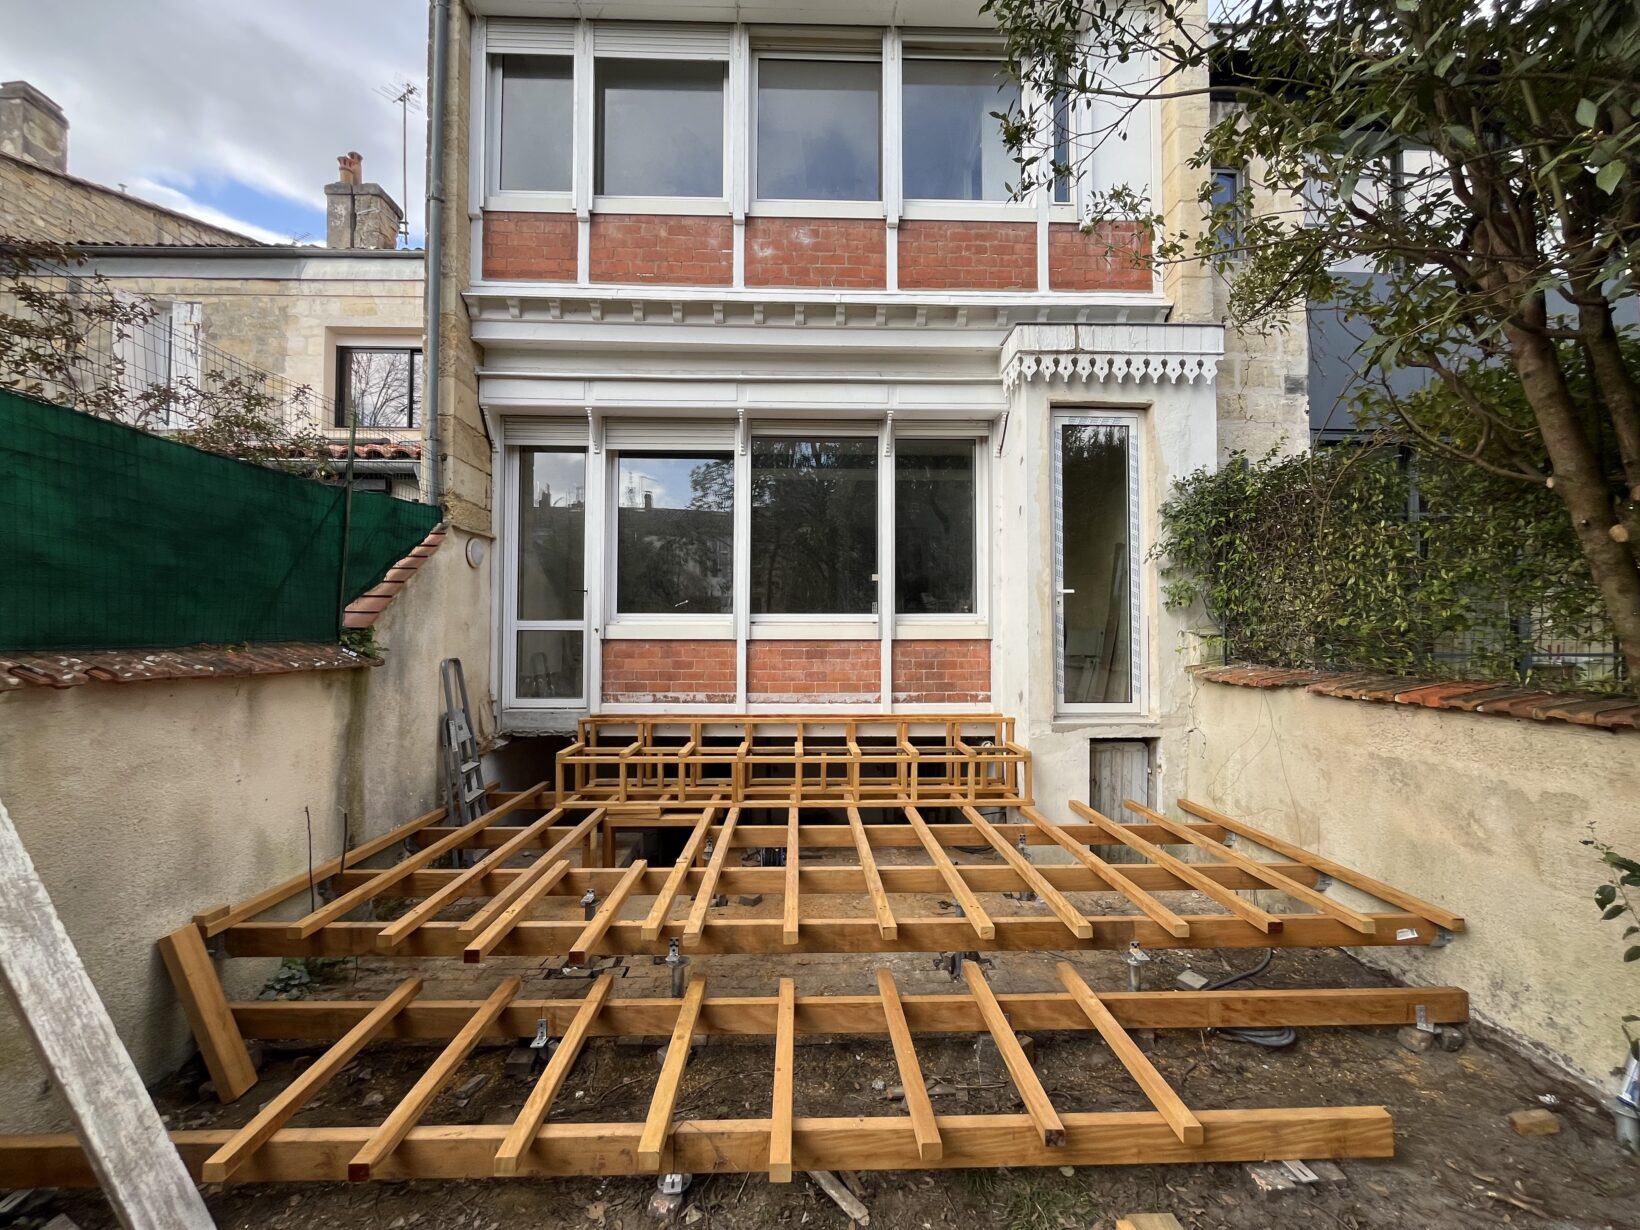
[
  {"x": 1588, "y": 114},
  {"x": 1605, "y": 895},
  {"x": 1615, "y": 911},
  {"x": 1609, "y": 176},
  {"x": 1633, "y": 954}
]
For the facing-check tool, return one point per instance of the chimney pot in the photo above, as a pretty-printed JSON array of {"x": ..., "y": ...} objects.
[
  {"x": 357, "y": 214},
  {"x": 350, "y": 168}
]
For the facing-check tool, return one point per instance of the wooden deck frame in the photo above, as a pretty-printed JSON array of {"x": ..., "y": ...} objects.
[{"x": 401, "y": 1147}]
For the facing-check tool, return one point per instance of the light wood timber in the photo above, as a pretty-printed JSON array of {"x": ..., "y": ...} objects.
[
  {"x": 886, "y": 926},
  {"x": 1168, "y": 1104},
  {"x": 528, "y": 881},
  {"x": 921, "y": 1110},
  {"x": 486, "y": 941},
  {"x": 194, "y": 976},
  {"x": 539, "y": 1104},
  {"x": 975, "y": 913},
  {"x": 1122, "y": 881},
  {"x": 242, "y": 1144},
  {"x": 1246, "y": 910},
  {"x": 1063, "y": 909},
  {"x": 791, "y": 901},
  {"x": 679, "y": 873},
  {"x": 1148, "y": 1221},
  {"x": 599, "y": 923},
  {"x": 780, "y": 1113},
  {"x": 1037, "y": 1104},
  {"x": 714, "y": 868},
  {"x": 414, "y": 1104},
  {"x": 1344, "y": 875},
  {"x": 1274, "y": 879},
  {"x": 657, "y": 1126}
]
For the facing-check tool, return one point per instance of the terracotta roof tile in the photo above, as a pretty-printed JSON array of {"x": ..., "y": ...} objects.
[
  {"x": 60, "y": 670},
  {"x": 364, "y": 610}
]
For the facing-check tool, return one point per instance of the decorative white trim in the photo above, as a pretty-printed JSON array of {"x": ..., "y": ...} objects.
[{"x": 1098, "y": 353}]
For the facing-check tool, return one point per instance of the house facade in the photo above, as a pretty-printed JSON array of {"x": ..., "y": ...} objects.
[{"x": 777, "y": 398}]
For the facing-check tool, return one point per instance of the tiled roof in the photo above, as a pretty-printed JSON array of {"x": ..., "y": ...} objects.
[
  {"x": 67, "y": 670},
  {"x": 1497, "y": 699},
  {"x": 377, "y": 450},
  {"x": 367, "y": 608}
]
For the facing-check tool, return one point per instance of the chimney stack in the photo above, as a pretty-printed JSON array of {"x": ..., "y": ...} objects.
[
  {"x": 32, "y": 127},
  {"x": 357, "y": 214}
]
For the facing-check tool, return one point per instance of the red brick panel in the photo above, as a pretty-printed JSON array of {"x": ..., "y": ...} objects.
[
  {"x": 670, "y": 249},
  {"x": 669, "y": 672},
  {"x": 529, "y": 246},
  {"x": 816, "y": 252},
  {"x": 809, "y": 672},
  {"x": 942, "y": 672},
  {"x": 968, "y": 255},
  {"x": 1113, "y": 256}
]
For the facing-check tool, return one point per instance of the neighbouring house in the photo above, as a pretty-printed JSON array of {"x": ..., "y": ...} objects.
[
  {"x": 343, "y": 322},
  {"x": 776, "y": 400}
]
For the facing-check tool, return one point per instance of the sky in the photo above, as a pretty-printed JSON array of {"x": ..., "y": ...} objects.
[{"x": 232, "y": 111}]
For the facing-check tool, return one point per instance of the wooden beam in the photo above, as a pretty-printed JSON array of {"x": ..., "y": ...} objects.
[
  {"x": 923, "y": 1126},
  {"x": 527, "y": 881},
  {"x": 194, "y": 976},
  {"x": 599, "y": 923},
  {"x": 238, "y": 1148},
  {"x": 780, "y": 1113},
  {"x": 675, "y": 878},
  {"x": 485, "y": 943},
  {"x": 886, "y": 926},
  {"x": 1037, "y": 1104},
  {"x": 977, "y": 918},
  {"x": 1121, "y": 881},
  {"x": 539, "y": 1104},
  {"x": 657, "y": 1126},
  {"x": 1063, "y": 910},
  {"x": 1238, "y": 906},
  {"x": 414, "y": 1104},
  {"x": 1168, "y": 1104},
  {"x": 790, "y": 901},
  {"x": 1274, "y": 879},
  {"x": 1344, "y": 875},
  {"x": 708, "y": 882}
]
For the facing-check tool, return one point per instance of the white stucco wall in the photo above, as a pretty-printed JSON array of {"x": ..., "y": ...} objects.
[
  {"x": 1483, "y": 815},
  {"x": 143, "y": 803}
]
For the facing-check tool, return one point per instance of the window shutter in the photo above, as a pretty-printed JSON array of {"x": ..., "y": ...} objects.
[
  {"x": 660, "y": 42},
  {"x": 669, "y": 435},
  {"x": 530, "y": 37},
  {"x": 547, "y": 431}
]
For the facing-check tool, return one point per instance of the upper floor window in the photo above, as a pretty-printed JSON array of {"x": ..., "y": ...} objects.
[
  {"x": 953, "y": 143},
  {"x": 660, "y": 128},
  {"x": 381, "y": 385},
  {"x": 534, "y": 129},
  {"x": 819, "y": 130},
  {"x": 675, "y": 534}
]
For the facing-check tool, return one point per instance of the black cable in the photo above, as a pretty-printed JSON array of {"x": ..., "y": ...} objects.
[{"x": 1274, "y": 1039}]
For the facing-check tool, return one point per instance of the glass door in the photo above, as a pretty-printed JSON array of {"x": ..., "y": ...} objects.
[
  {"x": 1096, "y": 552},
  {"x": 549, "y": 582}
]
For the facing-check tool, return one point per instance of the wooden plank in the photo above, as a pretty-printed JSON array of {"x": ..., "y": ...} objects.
[
  {"x": 789, "y": 903},
  {"x": 680, "y": 872},
  {"x": 1299, "y": 892},
  {"x": 527, "y": 881},
  {"x": 657, "y": 1126},
  {"x": 1063, "y": 910},
  {"x": 886, "y": 926},
  {"x": 924, "y": 1129},
  {"x": 115, "y": 1122},
  {"x": 1120, "y": 880},
  {"x": 392, "y": 875},
  {"x": 194, "y": 976},
  {"x": 886, "y": 835},
  {"x": 780, "y": 1114},
  {"x": 1344, "y": 875},
  {"x": 539, "y": 1104},
  {"x": 1243, "y": 909},
  {"x": 708, "y": 882},
  {"x": 1148, "y": 1221},
  {"x": 1168, "y": 1104},
  {"x": 599, "y": 923},
  {"x": 977, "y": 918},
  {"x": 221, "y": 1165},
  {"x": 1037, "y": 1104},
  {"x": 485, "y": 942},
  {"x": 465, "y": 883},
  {"x": 414, "y": 1104}
]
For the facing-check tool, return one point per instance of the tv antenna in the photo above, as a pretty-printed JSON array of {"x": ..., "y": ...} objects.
[{"x": 406, "y": 95}]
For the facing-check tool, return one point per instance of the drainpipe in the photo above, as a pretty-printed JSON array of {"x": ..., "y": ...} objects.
[{"x": 435, "y": 240}]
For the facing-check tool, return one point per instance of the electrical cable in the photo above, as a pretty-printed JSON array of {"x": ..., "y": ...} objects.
[{"x": 1272, "y": 1039}]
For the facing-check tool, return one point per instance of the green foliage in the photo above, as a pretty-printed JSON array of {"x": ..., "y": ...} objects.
[
  {"x": 1614, "y": 902},
  {"x": 362, "y": 641},
  {"x": 1371, "y": 557}
]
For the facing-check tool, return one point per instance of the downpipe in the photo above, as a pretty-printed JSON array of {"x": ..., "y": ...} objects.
[{"x": 437, "y": 88}]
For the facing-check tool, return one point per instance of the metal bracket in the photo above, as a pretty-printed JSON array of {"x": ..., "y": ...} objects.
[
  {"x": 539, "y": 1042},
  {"x": 673, "y": 1184},
  {"x": 1420, "y": 1020},
  {"x": 589, "y": 904},
  {"x": 1229, "y": 840},
  {"x": 327, "y": 889},
  {"x": 1301, "y": 1172},
  {"x": 1323, "y": 882},
  {"x": 217, "y": 946},
  {"x": 1443, "y": 937}
]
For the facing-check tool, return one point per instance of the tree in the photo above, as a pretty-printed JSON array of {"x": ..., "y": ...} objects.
[{"x": 1483, "y": 161}]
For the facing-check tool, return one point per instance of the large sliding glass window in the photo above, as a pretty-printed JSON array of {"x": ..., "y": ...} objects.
[
  {"x": 551, "y": 573},
  {"x": 819, "y": 130},
  {"x": 536, "y": 131},
  {"x": 934, "y": 542},
  {"x": 1096, "y": 480},
  {"x": 660, "y": 128},
  {"x": 675, "y": 534},
  {"x": 814, "y": 526},
  {"x": 953, "y": 143}
]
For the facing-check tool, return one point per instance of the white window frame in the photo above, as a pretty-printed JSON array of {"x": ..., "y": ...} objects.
[
  {"x": 804, "y": 208},
  {"x": 936, "y": 208},
  {"x": 660, "y": 204},
  {"x": 520, "y": 200},
  {"x": 1138, "y": 635},
  {"x": 952, "y": 626}
]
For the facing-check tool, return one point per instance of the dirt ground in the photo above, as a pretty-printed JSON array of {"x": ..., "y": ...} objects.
[{"x": 1457, "y": 1165}]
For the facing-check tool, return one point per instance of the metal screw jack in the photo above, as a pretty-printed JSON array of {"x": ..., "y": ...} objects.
[
  {"x": 1134, "y": 958},
  {"x": 673, "y": 1184},
  {"x": 677, "y": 963},
  {"x": 589, "y": 904}
]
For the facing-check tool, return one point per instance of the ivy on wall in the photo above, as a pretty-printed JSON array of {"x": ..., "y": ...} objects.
[{"x": 1371, "y": 557}]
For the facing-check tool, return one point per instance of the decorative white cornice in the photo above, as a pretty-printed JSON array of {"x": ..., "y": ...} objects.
[{"x": 1099, "y": 353}]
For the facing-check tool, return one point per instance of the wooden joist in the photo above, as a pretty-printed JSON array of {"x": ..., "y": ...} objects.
[
  {"x": 498, "y": 930},
  {"x": 220, "y": 1043},
  {"x": 1037, "y": 1103},
  {"x": 657, "y": 1127},
  {"x": 780, "y": 1113},
  {"x": 974, "y": 912},
  {"x": 539, "y": 1104},
  {"x": 923, "y": 1127},
  {"x": 1123, "y": 881},
  {"x": 708, "y": 882},
  {"x": 599, "y": 923}
]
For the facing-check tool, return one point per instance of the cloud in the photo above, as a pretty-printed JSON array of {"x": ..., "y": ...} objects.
[{"x": 205, "y": 103}]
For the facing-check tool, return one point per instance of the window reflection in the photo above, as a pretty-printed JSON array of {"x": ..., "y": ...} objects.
[
  {"x": 537, "y": 103},
  {"x": 814, "y": 526},
  {"x": 660, "y": 128},
  {"x": 675, "y": 531},
  {"x": 934, "y": 527},
  {"x": 819, "y": 132},
  {"x": 1096, "y": 564},
  {"x": 551, "y": 534},
  {"x": 954, "y": 149}
]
